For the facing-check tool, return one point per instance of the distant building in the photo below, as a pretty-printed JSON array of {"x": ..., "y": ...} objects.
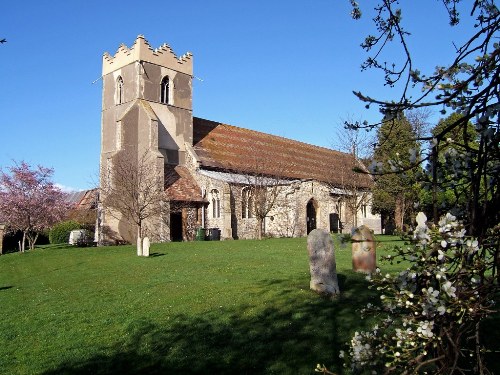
[{"x": 209, "y": 168}]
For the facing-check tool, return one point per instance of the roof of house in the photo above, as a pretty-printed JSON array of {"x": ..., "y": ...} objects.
[
  {"x": 85, "y": 199},
  {"x": 230, "y": 148}
]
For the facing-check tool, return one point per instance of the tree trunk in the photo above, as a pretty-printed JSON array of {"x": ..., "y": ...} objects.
[
  {"x": 139, "y": 240},
  {"x": 260, "y": 221},
  {"x": 21, "y": 249}
]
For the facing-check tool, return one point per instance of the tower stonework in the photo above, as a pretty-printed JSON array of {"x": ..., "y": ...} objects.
[{"x": 146, "y": 110}]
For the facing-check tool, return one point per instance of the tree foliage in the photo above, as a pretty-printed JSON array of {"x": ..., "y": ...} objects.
[
  {"x": 468, "y": 84},
  {"x": 394, "y": 194},
  {"x": 432, "y": 312},
  {"x": 29, "y": 201}
]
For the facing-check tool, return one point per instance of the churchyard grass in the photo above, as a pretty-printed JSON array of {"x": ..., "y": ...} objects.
[{"x": 198, "y": 307}]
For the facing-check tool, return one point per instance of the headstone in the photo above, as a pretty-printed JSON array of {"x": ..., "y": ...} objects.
[
  {"x": 322, "y": 263},
  {"x": 363, "y": 250},
  {"x": 139, "y": 246},
  {"x": 145, "y": 247}
]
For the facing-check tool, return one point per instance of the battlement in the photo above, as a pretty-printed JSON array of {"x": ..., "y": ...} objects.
[{"x": 142, "y": 51}]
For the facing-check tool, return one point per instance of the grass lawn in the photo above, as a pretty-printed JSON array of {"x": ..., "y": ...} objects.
[{"x": 198, "y": 307}]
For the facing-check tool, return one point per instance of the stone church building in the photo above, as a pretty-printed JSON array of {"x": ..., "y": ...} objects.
[{"x": 227, "y": 180}]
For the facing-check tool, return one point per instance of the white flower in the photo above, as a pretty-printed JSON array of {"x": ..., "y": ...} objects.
[{"x": 449, "y": 289}]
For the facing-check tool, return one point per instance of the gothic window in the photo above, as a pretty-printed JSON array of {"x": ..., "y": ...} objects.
[
  {"x": 165, "y": 90},
  {"x": 215, "y": 204},
  {"x": 247, "y": 203},
  {"x": 119, "y": 90}
]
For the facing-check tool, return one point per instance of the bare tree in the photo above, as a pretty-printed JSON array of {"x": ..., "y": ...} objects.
[
  {"x": 265, "y": 190},
  {"x": 359, "y": 143},
  {"x": 132, "y": 189}
]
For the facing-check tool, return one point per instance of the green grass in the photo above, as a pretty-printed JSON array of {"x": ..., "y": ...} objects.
[{"x": 198, "y": 307}]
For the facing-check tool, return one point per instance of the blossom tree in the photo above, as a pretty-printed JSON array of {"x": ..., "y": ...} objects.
[
  {"x": 29, "y": 201},
  {"x": 431, "y": 311}
]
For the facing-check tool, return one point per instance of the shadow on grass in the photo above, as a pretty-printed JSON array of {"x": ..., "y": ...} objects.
[
  {"x": 298, "y": 331},
  {"x": 6, "y": 287}
]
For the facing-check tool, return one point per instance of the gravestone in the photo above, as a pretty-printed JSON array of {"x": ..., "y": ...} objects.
[
  {"x": 145, "y": 247},
  {"x": 363, "y": 250},
  {"x": 322, "y": 263}
]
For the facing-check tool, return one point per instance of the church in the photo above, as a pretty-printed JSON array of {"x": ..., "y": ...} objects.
[{"x": 218, "y": 181}]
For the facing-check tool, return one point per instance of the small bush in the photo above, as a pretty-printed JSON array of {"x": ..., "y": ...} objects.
[{"x": 60, "y": 232}]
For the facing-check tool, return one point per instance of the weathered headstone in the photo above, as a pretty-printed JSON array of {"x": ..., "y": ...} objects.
[
  {"x": 322, "y": 263},
  {"x": 363, "y": 250},
  {"x": 145, "y": 247}
]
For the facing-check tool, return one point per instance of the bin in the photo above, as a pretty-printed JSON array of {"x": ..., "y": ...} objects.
[
  {"x": 214, "y": 234},
  {"x": 200, "y": 234}
]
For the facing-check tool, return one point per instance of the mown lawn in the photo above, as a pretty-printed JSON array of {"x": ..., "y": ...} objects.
[{"x": 201, "y": 307}]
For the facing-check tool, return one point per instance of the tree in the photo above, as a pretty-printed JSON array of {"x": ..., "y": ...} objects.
[
  {"x": 353, "y": 191},
  {"x": 450, "y": 191},
  {"x": 449, "y": 276},
  {"x": 265, "y": 190},
  {"x": 394, "y": 194},
  {"x": 134, "y": 191},
  {"x": 468, "y": 84},
  {"x": 29, "y": 201}
]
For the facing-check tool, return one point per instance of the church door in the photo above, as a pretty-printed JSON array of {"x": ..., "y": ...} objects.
[
  {"x": 311, "y": 216},
  {"x": 176, "y": 226}
]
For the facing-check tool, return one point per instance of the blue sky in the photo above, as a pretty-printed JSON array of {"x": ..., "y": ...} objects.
[{"x": 282, "y": 67}]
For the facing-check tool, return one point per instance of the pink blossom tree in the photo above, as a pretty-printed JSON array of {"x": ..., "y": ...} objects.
[{"x": 29, "y": 201}]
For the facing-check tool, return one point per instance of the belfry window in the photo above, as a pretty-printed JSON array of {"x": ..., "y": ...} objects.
[
  {"x": 246, "y": 203},
  {"x": 215, "y": 204},
  {"x": 165, "y": 90},
  {"x": 119, "y": 90}
]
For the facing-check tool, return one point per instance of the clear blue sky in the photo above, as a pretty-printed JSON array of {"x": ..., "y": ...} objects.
[{"x": 283, "y": 67}]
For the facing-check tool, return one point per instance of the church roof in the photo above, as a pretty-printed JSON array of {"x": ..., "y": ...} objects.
[
  {"x": 230, "y": 148},
  {"x": 180, "y": 185}
]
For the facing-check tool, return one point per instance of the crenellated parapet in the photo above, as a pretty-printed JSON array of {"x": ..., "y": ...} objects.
[{"x": 141, "y": 50}]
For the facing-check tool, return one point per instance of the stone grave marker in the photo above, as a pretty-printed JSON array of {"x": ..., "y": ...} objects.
[
  {"x": 363, "y": 250},
  {"x": 322, "y": 263},
  {"x": 145, "y": 247}
]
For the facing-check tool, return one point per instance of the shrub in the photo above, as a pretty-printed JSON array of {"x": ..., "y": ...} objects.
[
  {"x": 59, "y": 233},
  {"x": 431, "y": 312}
]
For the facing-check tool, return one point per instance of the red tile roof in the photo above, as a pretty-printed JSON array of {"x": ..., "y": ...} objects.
[
  {"x": 180, "y": 185},
  {"x": 225, "y": 147}
]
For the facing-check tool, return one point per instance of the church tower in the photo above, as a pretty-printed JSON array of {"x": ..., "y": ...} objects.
[{"x": 146, "y": 109}]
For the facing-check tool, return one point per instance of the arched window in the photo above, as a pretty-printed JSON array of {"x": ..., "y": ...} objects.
[
  {"x": 119, "y": 90},
  {"x": 215, "y": 204},
  {"x": 165, "y": 90},
  {"x": 247, "y": 203}
]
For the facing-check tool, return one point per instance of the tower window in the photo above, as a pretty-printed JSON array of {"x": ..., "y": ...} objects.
[
  {"x": 215, "y": 204},
  {"x": 119, "y": 90},
  {"x": 165, "y": 90}
]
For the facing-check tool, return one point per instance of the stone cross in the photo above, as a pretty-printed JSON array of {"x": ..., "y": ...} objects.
[
  {"x": 322, "y": 263},
  {"x": 145, "y": 247},
  {"x": 363, "y": 250}
]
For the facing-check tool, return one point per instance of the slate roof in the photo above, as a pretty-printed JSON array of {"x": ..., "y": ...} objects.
[
  {"x": 85, "y": 199},
  {"x": 180, "y": 185},
  {"x": 230, "y": 148}
]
